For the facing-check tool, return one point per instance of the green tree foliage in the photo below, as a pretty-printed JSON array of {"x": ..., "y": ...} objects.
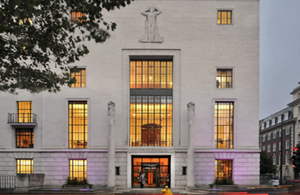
[
  {"x": 38, "y": 35},
  {"x": 266, "y": 164}
]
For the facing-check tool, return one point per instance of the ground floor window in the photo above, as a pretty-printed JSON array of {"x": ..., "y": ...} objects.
[
  {"x": 223, "y": 169},
  {"x": 78, "y": 169},
  {"x": 24, "y": 138},
  {"x": 24, "y": 166},
  {"x": 156, "y": 170}
]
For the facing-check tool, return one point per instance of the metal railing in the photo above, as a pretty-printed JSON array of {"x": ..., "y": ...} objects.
[
  {"x": 21, "y": 118},
  {"x": 7, "y": 181}
]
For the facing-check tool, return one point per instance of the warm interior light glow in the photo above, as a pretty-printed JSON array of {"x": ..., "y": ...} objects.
[
  {"x": 78, "y": 169},
  {"x": 24, "y": 112},
  {"x": 24, "y": 166}
]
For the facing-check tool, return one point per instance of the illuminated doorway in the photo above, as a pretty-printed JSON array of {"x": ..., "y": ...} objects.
[{"x": 156, "y": 169}]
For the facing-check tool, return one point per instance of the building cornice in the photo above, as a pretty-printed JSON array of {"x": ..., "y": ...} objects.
[
  {"x": 287, "y": 122},
  {"x": 293, "y": 103}
]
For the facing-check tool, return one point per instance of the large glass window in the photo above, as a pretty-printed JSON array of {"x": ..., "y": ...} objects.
[
  {"x": 156, "y": 170},
  {"x": 24, "y": 112},
  {"x": 151, "y": 103},
  {"x": 79, "y": 75},
  {"x": 24, "y": 138},
  {"x": 78, "y": 169},
  {"x": 224, "y": 17},
  {"x": 224, "y": 78},
  {"x": 78, "y": 124},
  {"x": 224, "y": 124},
  {"x": 24, "y": 166},
  {"x": 223, "y": 169}
]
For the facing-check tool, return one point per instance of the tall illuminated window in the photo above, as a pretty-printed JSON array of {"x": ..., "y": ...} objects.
[
  {"x": 78, "y": 169},
  {"x": 224, "y": 17},
  {"x": 151, "y": 102},
  {"x": 24, "y": 166},
  {"x": 223, "y": 169},
  {"x": 224, "y": 125},
  {"x": 78, "y": 124},
  {"x": 24, "y": 138},
  {"x": 80, "y": 76},
  {"x": 77, "y": 17},
  {"x": 24, "y": 112},
  {"x": 224, "y": 78}
]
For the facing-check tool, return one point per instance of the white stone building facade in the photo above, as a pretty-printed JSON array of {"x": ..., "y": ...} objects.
[{"x": 210, "y": 50}]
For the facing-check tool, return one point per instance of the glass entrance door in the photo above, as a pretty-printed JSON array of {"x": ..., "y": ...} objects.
[{"x": 156, "y": 169}]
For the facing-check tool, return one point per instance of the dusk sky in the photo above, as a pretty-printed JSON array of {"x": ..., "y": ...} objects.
[{"x": 279, "y": 54}]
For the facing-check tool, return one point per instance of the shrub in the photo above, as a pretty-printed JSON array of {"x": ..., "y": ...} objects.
[
  {"x": 224, "y": 181},
  {"x": 76, "y": 181}
]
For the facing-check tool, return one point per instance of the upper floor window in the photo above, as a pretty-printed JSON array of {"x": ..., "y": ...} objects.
[
  {"x": 224, "y": 78},
  {"x": 269, "y": 148},
  {"x": 287, "y": 144},
  {"x": 224, "y": 124},
  {"x": 274, "y": 134},
  {"x": 24, "y": 166},
  {"x": 279, "y": 134},
  {"x": 269, "y": 136},
  {"x": 264, "y": 138},
  {"x": 287, "y": 158},
  {"x": 298, "y": 110},
  {"x": 77, "y": 17},
  {"x": 78, "y": 122},
  {"x": 24, "y": 138},
  {"x": 24, "y": 112},
  {"x": 79, "y": 75},
  {"x": 151, "y": 103},
  {"x": 287, "y": 131},
  {"x": 224, "y": 17},
  {"x": 264, "y": 148},
  {"x": 274, "y": 147},
  {"x": 274, "y": 159}
]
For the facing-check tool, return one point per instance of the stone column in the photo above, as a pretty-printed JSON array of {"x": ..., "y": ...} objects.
[
  {"x": 191, "y": 145},
  {"x": 111, "y": 145}
]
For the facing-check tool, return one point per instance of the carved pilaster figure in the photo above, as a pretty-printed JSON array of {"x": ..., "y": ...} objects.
[
  {"x": 191, "y": 113},
  {"x": 111, "y": 113},
  {"x": 151, "y": 30},
  {"x": 111, "y": 145},
  {"x": 191, "y": 145}
]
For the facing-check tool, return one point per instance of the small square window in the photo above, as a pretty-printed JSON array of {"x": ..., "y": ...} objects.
[
  {"x": 224, "y": 78},
  {"x": 117, "y": 170},
  {"x": 77, "y": 17},
  {"x": 224, "y": 17},
  {"x": 24, "y": 166},
  {"x": 183, "y": 170}
]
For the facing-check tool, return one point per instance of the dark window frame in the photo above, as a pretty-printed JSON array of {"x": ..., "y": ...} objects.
[
  {"x": 77, "y": 17},
  {"x": 228, "y": 162},
  {"x": 146, "y": 91},
  {"x": 184, "y": 169},
  {"x": 19, "y": 166},
  {"x": 220, "y": 136},
  {"x": 118, "y": 171},
  {"x": 24, "y": 117},
  {"x": 80, "y": 74},
  {"x": 83, "y": 142},
  {"x": 226, "y": 78},
  {"x": 224, "y": 21},
  {"x": 72, "y": 172},
  {"x": 22, "y": 138}
]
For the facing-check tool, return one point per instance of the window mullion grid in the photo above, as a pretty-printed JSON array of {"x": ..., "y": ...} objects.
[
  {"x": 84, "y": 125},
  {"x": 217, "y": 141},
  {"x": 140, "y": 135}
]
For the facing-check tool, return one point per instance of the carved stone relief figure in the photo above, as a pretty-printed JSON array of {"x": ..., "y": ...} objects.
[
  {"x": 151, "y": 30},
  {"x": 191, "y": 113},
  {"x": 111, "y": 113}
]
